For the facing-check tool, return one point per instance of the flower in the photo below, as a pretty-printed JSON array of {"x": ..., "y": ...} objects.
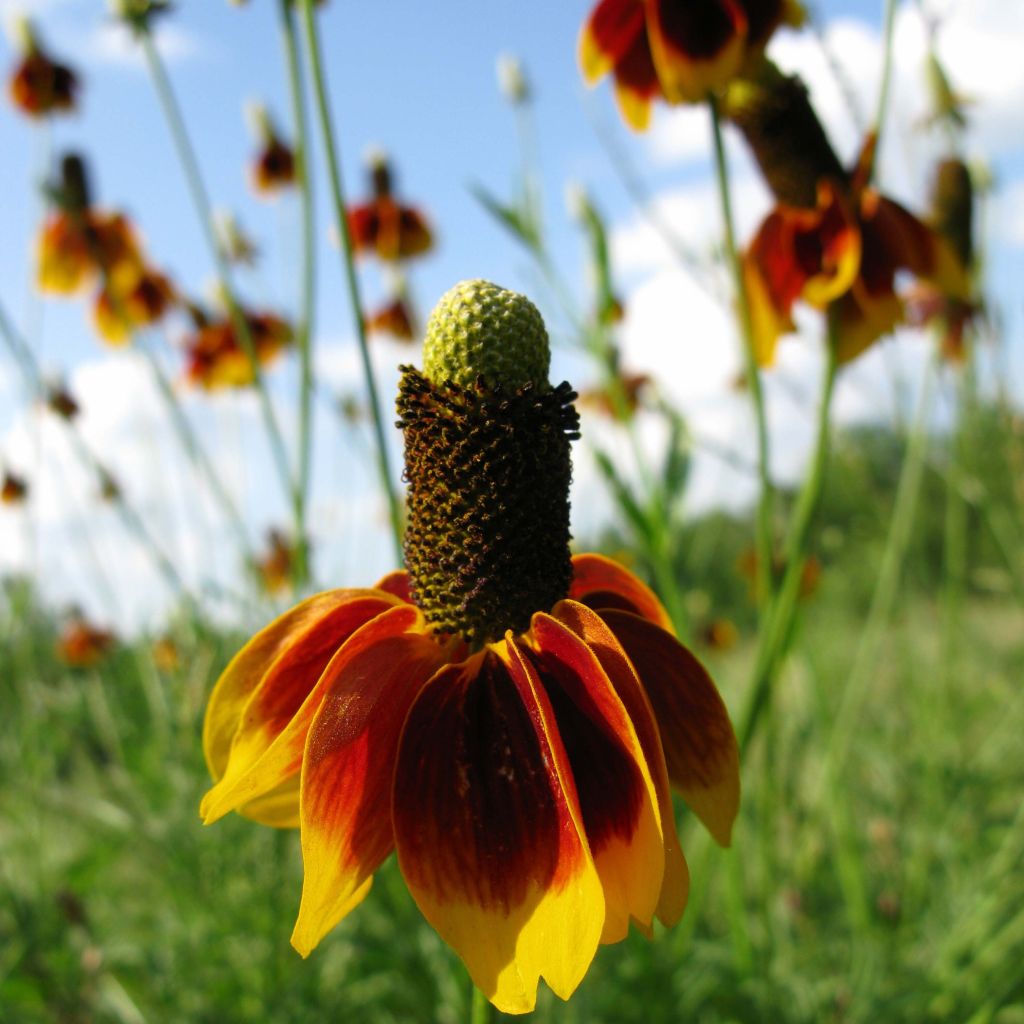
[
  {"x": 831, "y": 240},
  {"x": 275, "y": 569},
  {"x": 621, "y": 399},
  {"x": 216, "y": 359},
  {"x": 507, "y": 718},
  {"x": 676, "y": 50},
  {"x": 75, "y": 247},
  {"x": 394, "y": 318},
  {"x": 383, "y": 226},
  {"x": 13, "y": 489},
  {"x": 61, "y": 402},
  {"x": 132, "y": 301},
  {"x": 82, "y": 645},
  {"x": 39, "y": 85},
  {"x": 273, "y": 167}
]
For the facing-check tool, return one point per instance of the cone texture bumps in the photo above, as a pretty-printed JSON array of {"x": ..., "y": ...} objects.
[{"x": 488, "y": 467}]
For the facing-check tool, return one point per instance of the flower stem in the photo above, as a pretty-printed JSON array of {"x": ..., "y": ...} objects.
[
  {"x": 781, "y": 614},
  {"x": 888, "y": 23},
  {"x": 348, "y": 260},
  {"x": 204, "y": 212},
  {"x": 766, "y": 498},
  {"x": 480, "y": 1008},
  {"x": 307, "y": 275}
]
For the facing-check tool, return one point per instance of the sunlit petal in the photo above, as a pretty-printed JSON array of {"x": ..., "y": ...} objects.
[{"x": 600, "y": 582}]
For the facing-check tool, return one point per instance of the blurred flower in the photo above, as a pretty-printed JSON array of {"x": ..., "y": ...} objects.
[
  {"x": 75, "y": 247},
  {"x": 952, "y": 216},
  {"x": 831, "y": 240},
  {"x": 235, "y": 245},
  {"x": 507, "y": 718},
  {"x": 110, "y": 489},
  {"x": 14, "y": 489},
  {"x": 625, "y": 396},
  {"x": 217, "y": 359},
  {"x": 512, "y": 80},
  {"x": 39, "y": 85},
  {"x": 394, "y": 318},
  {"x": 138, "y": 14},
  {"x": 275, "y": 568},
  {"x": 82, "y": 645},
  {"x": 127, "y": 303},
  {"x": 165, "y": 654},
  {"x": 810, "y": 575},
  {"x": 61, "y": 402},
  {"x": 383, "y": 226},
  {"x": 676, "y": 50},
  {"x": 273, "y": 166},
  {"x": 720, "y": 634}
]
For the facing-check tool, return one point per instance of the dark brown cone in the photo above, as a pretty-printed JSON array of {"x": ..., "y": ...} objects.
[
  {"x": 952, "y": 207},
  {"x": 786, "y": 138},
  {"x": 487, "y": 539}
]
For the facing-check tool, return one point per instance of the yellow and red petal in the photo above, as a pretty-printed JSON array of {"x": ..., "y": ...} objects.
[
  {"x": 489, "y": 831},
  {"x": 618, "y": 799},
  {"x": 347, "y": 773},
  {"x": 700, "y": 747},
  {"x": 636, "y": 83},
  {"x": 259, "y": 696},
  {"x": 595, "y": 633},
  {"x": 397, "y": 584},
  {"x": 609, "y": 34},
  {"x": 600, "y": 582},
  {"x": 697, "y": 46}
]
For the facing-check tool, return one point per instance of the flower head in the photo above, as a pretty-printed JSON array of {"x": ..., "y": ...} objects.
[
  {"x": 506, "y": 717},
  {"x": 40, "y": 85},
  {"x": 13, "y": 489},
  {"x": 385, "y": 227},
  {"x": 273, "y": 166},
  {"x": 128, "y": 302},
  {"x": 396, "y": 318},
  {"x": 83, "y": 645},
  {"x": 275, "y": 568},
  {"x": 676, "y": 50},
  {"x": 61, "y": 402},
  {"x": 832, "y": 239},
  {"x": 216, "y": 359}
]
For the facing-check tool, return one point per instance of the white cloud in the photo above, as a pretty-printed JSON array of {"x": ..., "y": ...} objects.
[{"x": 111, "y": 43}]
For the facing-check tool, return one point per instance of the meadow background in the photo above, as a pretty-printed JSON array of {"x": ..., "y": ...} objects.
[{"x": 875, "y": 870}]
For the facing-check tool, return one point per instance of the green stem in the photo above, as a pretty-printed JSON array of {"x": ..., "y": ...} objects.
[
  {"x": 480, "y": 1008},
  {"x": 307, "y": 275},
  {"x": 204, "y": 212},
  {"x": 954, "y": 532},
  {"x": 865, "y": 662},
  {"x": 348, "y": 259},
  {"x": 766, "y": 499},
  {"x": 888, "y": 22},
  {"x": 781, "y": 615}
]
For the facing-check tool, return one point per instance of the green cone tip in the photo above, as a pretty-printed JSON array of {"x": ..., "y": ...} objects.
[{"x": 480, "y": 330}]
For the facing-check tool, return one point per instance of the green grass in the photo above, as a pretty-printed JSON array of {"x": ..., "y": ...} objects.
[{"x": 894, "y": 896}]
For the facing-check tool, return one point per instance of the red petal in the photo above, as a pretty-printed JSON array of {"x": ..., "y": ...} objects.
[
  {"x": 700, "y": 747},
  {"x": 263, "y": 759},
  {"x": 617, "y": 796},
  {"x": 595, "y": 633},
  {"x": 397, "y": 584},
  {"x": 347, "y": 774},
  {"x": 600, "y": 582},
  {"x": 610, "y": 32},
  {"x": 489, "y": 833}
]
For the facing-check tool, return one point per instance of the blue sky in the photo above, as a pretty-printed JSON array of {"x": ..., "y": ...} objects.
[{"x": 419, "y": 81}]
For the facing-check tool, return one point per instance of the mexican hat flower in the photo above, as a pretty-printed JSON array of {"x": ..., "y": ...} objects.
[
  {"x": 395, "y": 318},
  {"x": 273, "y": 166},
  {"x": 40, "y": 85},
  {"x": 13, "y": 488},
  {"x": 505, "y": 717},
  {"x": 831, "y": 240},
  {"x": 676, "y": 50},
  {"x": 385, "y": 227},
  {"x": 131, "y": 301},
  {"x": 217, "y": 359},
  {"x": 83, "y": 645}
]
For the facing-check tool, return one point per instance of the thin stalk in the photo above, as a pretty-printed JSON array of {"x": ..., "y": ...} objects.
[
  {"x": 195, "y": 452},
  {"x": 766, "y": 497},
  {"x": 348, "y": 261},
  {"x": 781, "y": 614},
  {"x": 888, "y": 22},
  {"x": 307, "y": 277},
  {"x": 480, "y": 1008},
  {"x": 954, "y": 532},
  {"x": 204, "y": 213},
  {"x": 865, "y": 660}
]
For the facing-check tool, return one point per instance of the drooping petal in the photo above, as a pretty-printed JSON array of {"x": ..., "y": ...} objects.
[
  {"x": 489, "y": 831},
  {"x": 595, "y": 633},
  {"x": 600, "y": 582},
  {"x": 699, "y": 743},
  {"x": 397, "y": 584},
  {"x": 636, "y": 83},
  {"x": 608, "y": 35},
  {"x": 697, "y": 46},
  {"x": 347, "y": 773},
  {"x": 621, "y": 812},
  {"x": 266, "y": 749}
]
